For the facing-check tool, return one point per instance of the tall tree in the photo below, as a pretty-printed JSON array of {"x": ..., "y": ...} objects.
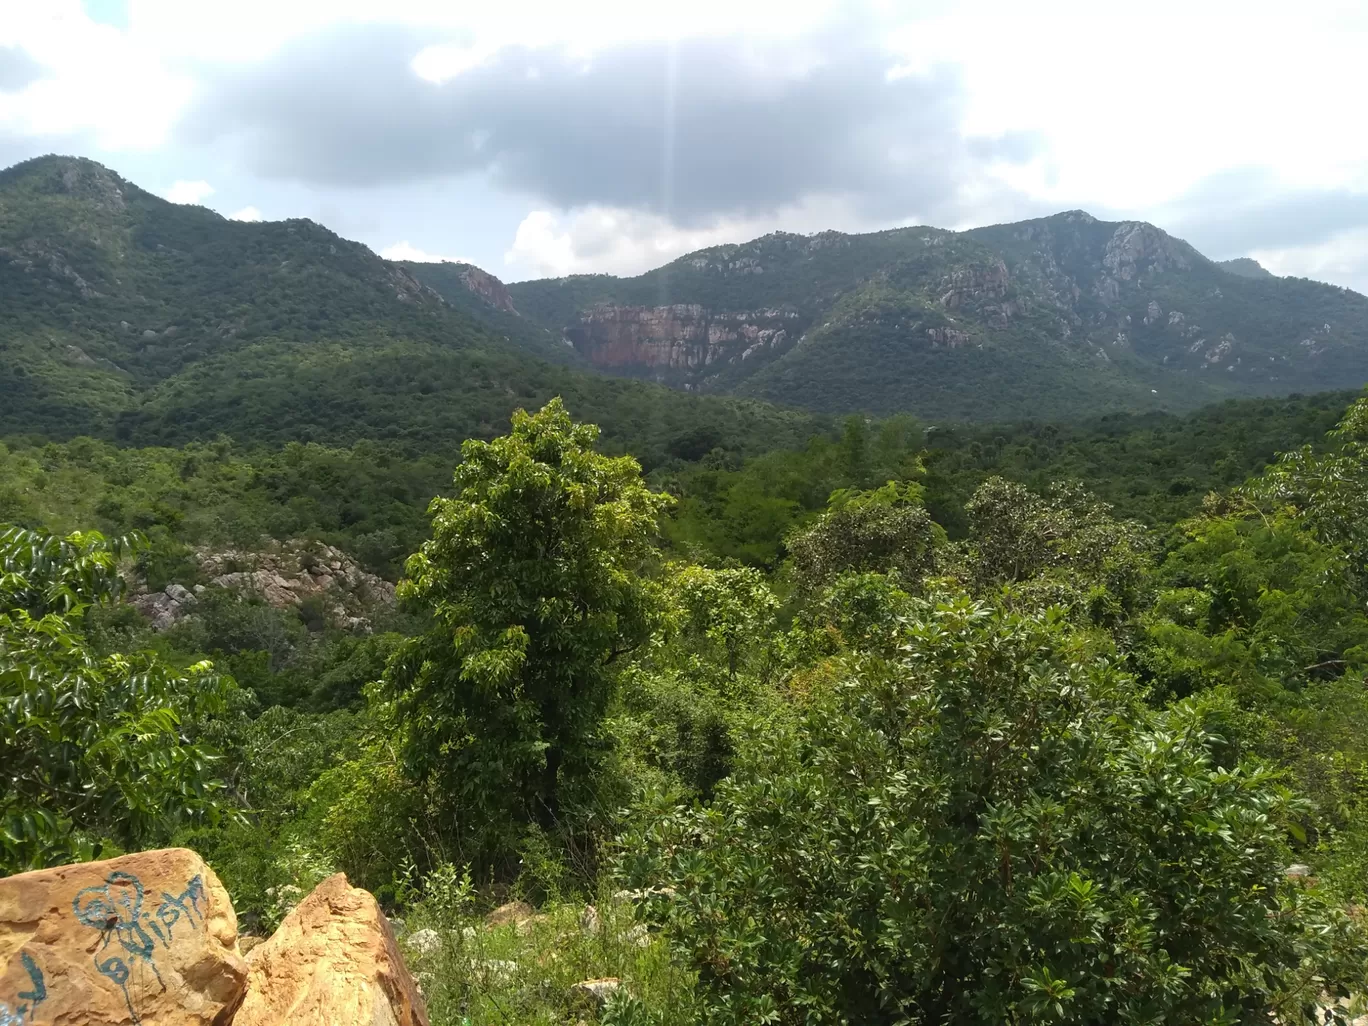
[{"x": 535, "y": 581}]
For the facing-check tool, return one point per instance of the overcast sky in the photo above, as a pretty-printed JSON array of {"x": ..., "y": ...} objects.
[{"x": 552, "y": 137}]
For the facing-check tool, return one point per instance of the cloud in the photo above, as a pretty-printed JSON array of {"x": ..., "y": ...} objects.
[
  {"x": 405, "y": 251},
  {"x": 1342, "y": 259},
  {"x": 1243, "y": 209},
  {"x": 188, "y": 192},
  {"x": 17, "y": 69},
  {"x": 245, "y": 214},
  {"x": 615, "y": 240},
  {"x": 689, "y": 130}
]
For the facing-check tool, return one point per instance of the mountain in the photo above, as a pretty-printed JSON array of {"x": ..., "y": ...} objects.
[
  {"x": 486, "y": 299},
  {"x": 1058, "y": 316},
  {"x": 128, "y": 317},
  {"x": 1245, "y": 267}
]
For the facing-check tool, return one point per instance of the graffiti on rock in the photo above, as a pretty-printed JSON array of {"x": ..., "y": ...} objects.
[
  {"x": 116, "y": 909},
  {"x": 26, "y": 1001}
]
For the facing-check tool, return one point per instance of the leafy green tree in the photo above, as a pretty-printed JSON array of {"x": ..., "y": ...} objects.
[
  {"x": 94, "y": 748},
  {"x": 1064, "y": 547},
  {"x": 723, "y": 616},
  {"x": 535, "y": 581},
  {"x": 879, "y": 531},
  {"x": 993, "y": 828}
]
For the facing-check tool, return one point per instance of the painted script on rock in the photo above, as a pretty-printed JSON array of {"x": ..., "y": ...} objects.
[{"x": 143, "y": 939}]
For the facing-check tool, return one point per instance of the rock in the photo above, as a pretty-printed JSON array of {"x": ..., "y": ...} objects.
[
  {"x": 638, "y": 935},
  {"x": 179, "y": 593},
  {"x": 425, "y": 942},
  {"x": 148, "y": 938},
  {"x": 597, "y": 991},
  {"x": 332, "y": 962},
  {"x": 513, "y": 912},
  {"x": 527, "y": 926},
  {"x": 488, "y": 288},
  {"x": 495, "y": 970},
  {"x": 589, "y": 919},
  {"x": 248, "y": 941}
]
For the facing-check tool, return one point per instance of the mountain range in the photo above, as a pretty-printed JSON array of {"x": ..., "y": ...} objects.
[
  {"x": 130, "y": 317},
  {"x": 1051, "y": 317}
]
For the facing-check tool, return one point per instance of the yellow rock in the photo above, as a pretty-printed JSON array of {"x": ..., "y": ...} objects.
[
  {"x": 147, "y": 939},
  {"x": 332, "y": 962}
]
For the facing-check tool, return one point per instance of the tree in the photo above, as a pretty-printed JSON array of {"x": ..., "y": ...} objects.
[
  {"x": 535, "y": 581},
  {"x": 94, "y": 748},
  {"x": 1064, "y": 547},
  {"x": 722, "y": 616},
  {"x": 993, "y": 828},
  {"x": 879, "y": 531}
]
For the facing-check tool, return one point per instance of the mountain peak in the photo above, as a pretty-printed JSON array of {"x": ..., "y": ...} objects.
[{"x": 75, "y": 176}]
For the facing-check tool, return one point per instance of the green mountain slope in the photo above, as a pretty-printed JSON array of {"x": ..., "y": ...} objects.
[
  {"x": 1059, "y": 316},
  {"x": 485, "y": 299},
  {"x": 128, "y": 317}
]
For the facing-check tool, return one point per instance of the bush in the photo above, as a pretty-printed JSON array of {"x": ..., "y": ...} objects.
[{"x": 993, "y": 828}]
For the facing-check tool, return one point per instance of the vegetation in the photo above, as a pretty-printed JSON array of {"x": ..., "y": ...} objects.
[
  {"x": 1050, "y": 318},
  {"x": 830, "y": 756}
]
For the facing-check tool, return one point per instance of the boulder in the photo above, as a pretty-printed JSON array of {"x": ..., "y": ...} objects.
[
  {"x": 142, "y": 939},
  {"x": 513, "y": 912},
  {"x": 596, "y": 992},
  {"x": 332, "y": 962}
]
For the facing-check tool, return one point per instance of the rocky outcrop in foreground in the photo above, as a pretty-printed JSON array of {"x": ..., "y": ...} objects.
[
  {"x": 151, "y": 940},
  {"x": 333, "y": 960}
]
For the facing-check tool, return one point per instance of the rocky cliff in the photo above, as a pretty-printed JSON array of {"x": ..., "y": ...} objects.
[
  {"x": 682, "y": 342},
  {"x": 487, "y": 287}
]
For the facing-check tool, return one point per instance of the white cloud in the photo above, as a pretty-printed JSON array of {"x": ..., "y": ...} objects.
[
  {"x": 189, "y": 192},
  {"x": 246, "y": 214},
  {"x": 1342, "y": 259},
  {"x": 405, "y": 251},
  {"x": 616, "y": 241}
]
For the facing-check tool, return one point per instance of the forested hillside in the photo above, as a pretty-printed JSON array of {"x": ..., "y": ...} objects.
[
  {"x": 1055, "y": 317},
  {"x": 131, "y": 318}
]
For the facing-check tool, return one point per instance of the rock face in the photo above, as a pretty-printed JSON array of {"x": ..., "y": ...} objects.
[
  {"x": 143, "y": 939},
  {"x": 284, "y": 576},
  {"x": 682, "y": 337},
  {"x": 488, "y": 288},
  {"x": 332, "y": 962}
]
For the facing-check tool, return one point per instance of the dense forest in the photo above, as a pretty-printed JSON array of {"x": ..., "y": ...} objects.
[{"x": 903, "y": 722}]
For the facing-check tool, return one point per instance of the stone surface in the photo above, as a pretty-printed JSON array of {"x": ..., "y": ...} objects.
[
  {"x": 597, "y": 992},
  {"x": 682, "y": 337},
  {"x": 332, "y": 962},
  {"x": 284, "y": 575},
  {"x": 513, "y": 912},
  {"x": 144, "y": 939}
]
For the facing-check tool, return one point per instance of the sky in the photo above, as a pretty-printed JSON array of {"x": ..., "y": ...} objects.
[{"x": 545, "y": 138}]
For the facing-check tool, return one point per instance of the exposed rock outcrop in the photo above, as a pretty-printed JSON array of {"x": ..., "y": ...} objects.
[
  {"x": 143, "y": 939},
  {"x": 284, "y": 575},
  {"x": 332, "y": 962},
  {"x": 488, "y": 288},
  {"x": 679, "y": 337}
]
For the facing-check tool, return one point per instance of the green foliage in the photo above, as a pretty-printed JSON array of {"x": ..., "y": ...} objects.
[
  {"x": 97, "y": 749},
  {"x": 884, "y": 531},
  {"x": 527, "y": 972},
  {"x": 992, "y": 828},
  {"x": 534, "y": 583}
]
